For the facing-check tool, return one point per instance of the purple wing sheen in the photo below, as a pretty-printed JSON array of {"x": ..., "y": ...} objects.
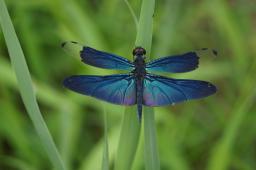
[
  {"x": 175, "y": 64},
  {"x": 98, "y": 58},
  {"x": 117, "y": 89},
  {"x": 159, "y": 90}
]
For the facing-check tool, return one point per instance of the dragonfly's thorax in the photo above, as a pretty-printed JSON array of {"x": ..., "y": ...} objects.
[{"x": 139, "y": 62}]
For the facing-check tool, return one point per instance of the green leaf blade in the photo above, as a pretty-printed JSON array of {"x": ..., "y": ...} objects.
[
  {"x": 25, "y": 86},
  {"x": 128, "y": 141},
  {"x": 144, "y": 39}
]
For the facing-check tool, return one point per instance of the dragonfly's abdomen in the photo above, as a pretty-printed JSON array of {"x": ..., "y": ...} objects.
[
  {"x": 139, "y": 73},
  {"x": 139, "y": 96}
]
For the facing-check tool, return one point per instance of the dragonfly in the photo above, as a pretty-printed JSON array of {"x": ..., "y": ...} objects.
[{"x": 139, "y": 86}]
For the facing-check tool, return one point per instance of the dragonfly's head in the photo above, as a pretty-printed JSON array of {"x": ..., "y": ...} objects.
[{"x": 139, "y": 51}]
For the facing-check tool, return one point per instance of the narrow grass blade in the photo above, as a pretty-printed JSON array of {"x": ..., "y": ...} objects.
[
  {"x": 151, "y": 151},
  {"x": 128, "y": 142},
  {"x": 144, "y": 39},
  {"x": 132, "y": 13},
  {"x": 145, "y": 28},
  {"x": 129, "y": 137},
  {"x": 105, "y": 159},
  {"x": 25, "y": 85}
]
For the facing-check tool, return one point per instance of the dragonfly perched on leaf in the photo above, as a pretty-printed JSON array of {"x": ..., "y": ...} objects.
[{"x": 139, "y": 86}]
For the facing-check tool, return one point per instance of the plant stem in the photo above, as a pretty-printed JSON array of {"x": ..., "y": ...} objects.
[
  {"x": 105, "y": 158},
  {"x": 144, "y": 39},
  {"x": 145, "y": 28},
  {"x": 132, "y": 13},
  {"x": 128, "y": 141}
]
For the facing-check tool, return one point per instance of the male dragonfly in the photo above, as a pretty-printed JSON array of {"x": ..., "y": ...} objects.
[{"x": 138, "y": 86}]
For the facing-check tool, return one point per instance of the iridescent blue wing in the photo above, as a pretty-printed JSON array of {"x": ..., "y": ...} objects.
[
  {"x": 117, "y": 89},
  {"x": 179, "y": 63},
  {"x": 159, "y": 90},
  {"x": 175, "y": 64},
  {"x": 98, "y": 58}
]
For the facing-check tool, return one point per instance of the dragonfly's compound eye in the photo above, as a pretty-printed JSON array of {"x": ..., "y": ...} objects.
[{"x": 139, "y": 51}]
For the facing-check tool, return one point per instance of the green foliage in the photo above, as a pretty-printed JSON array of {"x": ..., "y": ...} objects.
[
  {"x": 216, "y": 133},
  {"x": 128, "y": 141},
  {"x": 105, "y": 161},
  {"x": 25, "y": 86}
]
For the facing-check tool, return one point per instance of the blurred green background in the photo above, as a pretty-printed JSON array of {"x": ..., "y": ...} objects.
[{"x": 215, "y": 133}]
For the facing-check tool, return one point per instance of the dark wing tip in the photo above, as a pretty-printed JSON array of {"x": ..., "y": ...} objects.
[
  {"x": 215, "y": 52},
  {"x": 74, "y": 42},
  {"x": 63, "y": 44},
  {"x": 213, "y": 88},
  {"x": 209, "y": 50}
]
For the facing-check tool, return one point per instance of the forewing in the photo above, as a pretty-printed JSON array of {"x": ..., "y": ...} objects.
[
  {"x": 117, "y": 89},
  {"x": 98, "y": 58},
  {"x": 175, "y": 64},
  {"x": 159, "y": 90}
]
